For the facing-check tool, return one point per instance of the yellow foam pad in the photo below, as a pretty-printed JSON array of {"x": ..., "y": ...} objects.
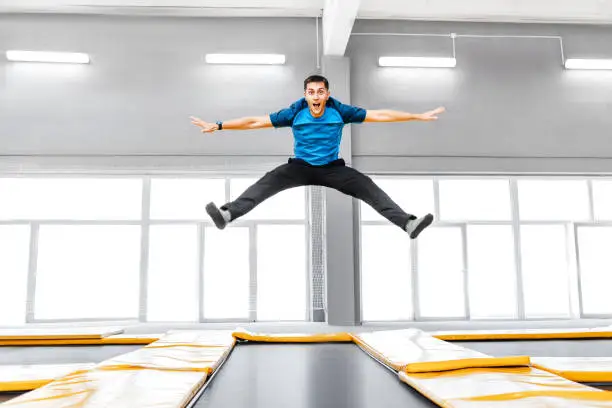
[
  {"x": 118, "y": 389},
  {"x": 174, "y": 358},
  {"x": 415, "y": 351},
  {"x": 457, "y": 335},
  {"x": 164, "y": 374},
  {"x": 196, "y": 338},
  {"x": 30, "y": 377},
  {"x": 120, "y": 339},
  {"x": 580, "y": 369},
  {"x": 178, "y": 351},
  {"x": 59, "y": 333},
  {"x": 243, "y": 334},
  {"x": 513, "y": 387},
  {"x": 132, "y": 338}
]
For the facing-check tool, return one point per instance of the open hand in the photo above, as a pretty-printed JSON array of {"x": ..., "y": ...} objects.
[
  {"x": 205, "y": 126},
  {"x": 431, "y": 115}
]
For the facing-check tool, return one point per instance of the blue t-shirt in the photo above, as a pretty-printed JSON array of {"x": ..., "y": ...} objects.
[{"x": 317, "y": 140}]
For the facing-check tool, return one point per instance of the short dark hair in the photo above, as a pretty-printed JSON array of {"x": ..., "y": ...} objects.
[{"x": 316, "y": 78}]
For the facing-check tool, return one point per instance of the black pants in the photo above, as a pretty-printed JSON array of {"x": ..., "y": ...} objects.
[{"x": 334, "y": 175}]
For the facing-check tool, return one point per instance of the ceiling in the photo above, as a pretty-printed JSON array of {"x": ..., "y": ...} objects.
[{"x": 554, "y": 11}]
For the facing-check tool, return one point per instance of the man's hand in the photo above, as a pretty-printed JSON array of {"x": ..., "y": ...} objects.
[
  {"x": 205, "y": 126},
  {"x": 431, "y": 115}
]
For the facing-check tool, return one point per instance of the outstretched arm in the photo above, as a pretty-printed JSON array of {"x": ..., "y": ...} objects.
[
  {"x": 386, "y": 115},
  {"x": 246, "y": 123}
]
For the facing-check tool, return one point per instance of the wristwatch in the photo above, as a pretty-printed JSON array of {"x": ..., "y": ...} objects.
[{"x": 220, "y": 124}]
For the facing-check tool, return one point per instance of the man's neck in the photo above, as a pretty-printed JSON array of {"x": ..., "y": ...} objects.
[{"x": 315, "y": 116}]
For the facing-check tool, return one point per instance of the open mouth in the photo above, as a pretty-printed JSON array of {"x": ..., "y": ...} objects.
[{"x": 316, "y": 105}]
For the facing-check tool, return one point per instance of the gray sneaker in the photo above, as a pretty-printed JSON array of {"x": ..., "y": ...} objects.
[
  {"x": 414, "y": 227},
  {"x": 219, "y": 217}
]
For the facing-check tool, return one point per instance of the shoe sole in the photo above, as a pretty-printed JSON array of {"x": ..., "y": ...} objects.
[
  {"x": 215, "y": 215},
  {"x": 427, "y": 220}
]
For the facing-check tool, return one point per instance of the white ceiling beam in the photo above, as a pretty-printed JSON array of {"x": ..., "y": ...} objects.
[
  {"x": 188, "y": 8},
  {"x": 519, "y": 11},
  {"x": 338, "y": 19},
  {"x": 561, "y": 11}
]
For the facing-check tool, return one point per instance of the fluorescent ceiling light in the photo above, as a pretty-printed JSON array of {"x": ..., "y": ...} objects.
[
  {"x": 577, "y": 63},
  {"x": 425, "y": 62},
  {"x": 255, "y": 59},
  {"x": 43, "y": 56}
]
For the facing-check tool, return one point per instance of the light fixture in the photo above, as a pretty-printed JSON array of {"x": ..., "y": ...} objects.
[
  {"x": 578, "y": 63},
  {"x": 417, "y": 62},
  {"x": 45, "y": 56},
  {"x": 253, "y": 59}
]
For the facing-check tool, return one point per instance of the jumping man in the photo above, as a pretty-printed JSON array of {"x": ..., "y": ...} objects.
[{"x": 317, "y": 121}]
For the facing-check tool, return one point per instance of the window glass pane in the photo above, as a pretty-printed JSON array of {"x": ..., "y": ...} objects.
[
  {"x": 553, "y": 199},
  {"x": 492, "y": 274},
  {"x": 289, "y": 204},
  {"x": 386, "y": 285},
  {"x": 14, "y": 260},
  {"x": 475, "y": 200},
  {"x": 545, "y": 271},
  {"x": 226, "y": 273},
  {"x": 595, "y": 265},
  {"x": 88, "y": 271},
  {"x": 173, "y": 273},
  {"x": 70, "y": 199},
  {"x": 281, "y": 272},
  {"x": 413, "y": 196},
  {"x": 440, "y": 268},
  {"x": 602, "y": 199},
  {"x": 185, "y": 199}
]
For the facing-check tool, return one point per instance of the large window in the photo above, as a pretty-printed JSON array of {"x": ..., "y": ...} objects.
[
  {"x": 143, "y": 248},
  {"x": 281, "y": 272},
  {"x": 385, "y": 255},
  {"x": 595, "y": 266},
  {"x": 87, "y": 271},
  {"x": 70, "y": 199},
  {"x": 492, "y": 272},
  {"x": 172, "y": 279},
  {"x": 441, "y": 273},
  {"x": 14, "y": 260},
  {"x": 545, "y": 271},
  {"x": 500, "y": 248},
  {"x": 227, "y": 278},
  {"x": 464, "y": 200}
]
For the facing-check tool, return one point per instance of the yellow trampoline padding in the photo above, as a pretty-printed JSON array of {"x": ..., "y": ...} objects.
[
  {"x": 579, "y": 369},
  {"x": 243, "y": 334},
  {"x": 196, "y": 338},
  {"x": 199, "y": 351},
  {"x": 175, "y": 358},
  {"x": 118, "y": 389},
  {"x": 164, "y": 374},
  {"x": 131, "y": 339},
  {"x": 415, "y": 351},
  {"x": 456, "y": 335},
  {"x": 59, "y": 333},
  {"x": 30, "y": 377},
  {"x": 136, "y": 339},
  {"x": 508, "y": 387}
]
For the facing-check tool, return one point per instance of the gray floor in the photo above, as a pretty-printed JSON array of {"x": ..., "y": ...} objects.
[
  {"x": 61, "y": 354},
  {"x": 306, "y": 376},
  {"x": 543, "y": 348}
]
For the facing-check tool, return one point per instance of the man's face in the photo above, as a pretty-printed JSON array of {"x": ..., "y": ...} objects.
[{"x": 316, "y": 95}]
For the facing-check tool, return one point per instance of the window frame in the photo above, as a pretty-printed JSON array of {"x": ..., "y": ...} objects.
[
  {"x": 573, "y": 259},
  {"x": 145, "y": 222}
]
